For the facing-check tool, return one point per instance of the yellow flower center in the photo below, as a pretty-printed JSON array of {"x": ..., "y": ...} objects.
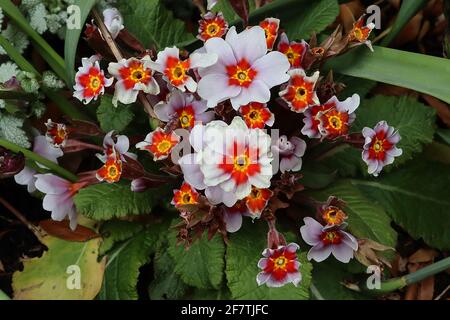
[
  {"x": 378, "y": 146},
  {"x": 280, "y": 262},
  {"x": 335, "y": 122},
  {"x": 300, "y": 94},
  {"x": 212, "y": 29},
  {"x": 241, "y": 163},
  {"x": 185, "y": 119},
  {"x": 164, "y": 146},
  {"x": 95, "y": 82}
]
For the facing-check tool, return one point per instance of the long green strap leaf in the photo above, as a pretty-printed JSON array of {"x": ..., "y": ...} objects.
[
  {"x": 73, "y": 36},
  {"x": 422, "y": 73},
  {"x": 55, "y": 61},
  {"x": 407, "y": 11}
]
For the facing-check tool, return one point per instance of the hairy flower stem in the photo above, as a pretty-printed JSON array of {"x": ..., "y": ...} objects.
[
  {"x": 119, "y": 56},
  {"x": 60, "y": 171},
  {"x": 401, "y": 282}
]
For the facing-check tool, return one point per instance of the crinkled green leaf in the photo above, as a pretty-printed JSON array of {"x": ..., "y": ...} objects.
[
  {"x": 243, "y": 253},
  {"x": 417, "y": 197},
  {"x": 105, "y": 201},
  {"x": 311, "y": 16},
  {"x": 167, "y": 284},
  {"x": 153, "y": 24},
  {"x": 123, "y": 263},
  {"x": 113, "y": 118},
  {"x": 202, "y": 265},
  {"x": 366, "y": 219},
  {"x": 115, "y": 231}
]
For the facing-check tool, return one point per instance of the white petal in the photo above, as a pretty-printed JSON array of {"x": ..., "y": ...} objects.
[
  {"x": 224, "y": 53},
  {"x": 342, "y": 252},
  {"x": 51, "y": 184},
  {"x": 217, "y": 195},
  {"x": 256, "y": 92},
  {"x": 123, "y": 95},
  {"x": 311, "y": 231},
  {"x": 272, "y": 68},
  {"x": 199, "y": 60},
  {"x": 191, "y": 171},
  {"x": 233, "y": 221},
  {"x": 214, "y": 88},
  {"x": 250, "y": 44},
  {"x": 319, "y": 252}
]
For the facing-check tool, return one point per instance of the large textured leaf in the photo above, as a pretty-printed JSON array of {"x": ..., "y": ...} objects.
[
  {"x": 153, "y": 24},
  {"x": 113, "y": 118},
  {"x": 123, "y": 263},
  {"x": 105, "y": 201},
  {"x": 72, "y": 37},
  {"x": 414, "y": 71},
  {"x": 47, "y": 277},
  {"x": 312, "y": 16},
  {"x": 413, "y": 120},
  {"x": 243, "y": 254},
  {"x": 116, "y": 231},
  {"x": 327, "y": 280},
  {"x": 417, "y": 197},
  {"x": 202, "y": 265},
  {"x": 366, "y": 219},
  {"x": 167, "y": 284}
]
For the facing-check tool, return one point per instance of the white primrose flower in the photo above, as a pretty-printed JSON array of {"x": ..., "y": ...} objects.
[{"x": 244, "y": 72}]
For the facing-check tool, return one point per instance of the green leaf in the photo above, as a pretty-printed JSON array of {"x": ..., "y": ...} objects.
[
  {"x": 413, "y": 120},
  {"x": 312, "y": 16},
  {"x": 47, "y": 52},
  {"x": 417, "y": 197},
  {"x": 73, "y": 36},
  {"x": 316, "y": 175},
  {"x": 327, "y": 282},
  {"x": 202, "y": 264},
  {"x": 153, "y": 24},
  {"x": 444, "y": 135},
  {"x": 122, "y": 268},
  {"x": 354, "y": 85},
  {"x": 116, "y": 231},
  {"x": 167, "y": 284},
  {"x": 414, "y": 71},
  {"x": 113, "y": 118},
  {"x": 243, "y": 253},
  {"x": 366, "y": 219},
  {"x": 407, "y": 11},
  {"x": 105, "y": 201},
  {"x": 47, "y": 277}
]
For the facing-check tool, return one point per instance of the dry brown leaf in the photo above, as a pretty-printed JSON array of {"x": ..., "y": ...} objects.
[
  {"x": 423, "y": 256},
  {"x": 61, "y": 230}
]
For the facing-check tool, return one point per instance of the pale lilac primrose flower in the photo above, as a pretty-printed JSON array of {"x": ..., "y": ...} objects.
[
  {"x": 185, "y": 109},
  {"x": 244, "y": 72},
  {"x": 279, "y": 266},
  {"x": 42, "y": 147},
  {"x": 117, "y": 145},
  {"x": 133, "y": 75},
  {"x": 59, "y": 197},
  {"x": 326, "y": 241},
  {"x": 232, "y": 216},
  {"x": 379, "y": 148},
  {"x": 113, "y": 21},
  {"x": 176, "y": 71},
  {"x": 290, "y": 152},
  {"x": 90, "y": 80}
]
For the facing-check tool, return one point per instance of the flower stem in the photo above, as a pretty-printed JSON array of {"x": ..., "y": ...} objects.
[
  {"x": 419, "y": 275},
  {"x": 60, "y": 171}
]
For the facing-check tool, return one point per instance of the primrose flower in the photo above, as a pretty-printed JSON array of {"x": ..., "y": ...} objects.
[
  {"x": 116, "y": 145},
  {"x": 291, "y": 152},
  {"x": 270, "y": 26},
  {"x": 228, "y": 160},
  {"x": 332, "y": 119},
  {"x": 257, "y": 115},
  {"x": 360, "y": 33},
  {"x": 111, "y": 171},
  {"x": 257, "y": 201},
  {"x": 185, "y": 108},
  {"x": 380, "y": 147},
  {"x": 333, "y": 216},
  {"x": 326, "y": 241},
  {"x": 113, "y": 21},
  {"x": 300, "y": 92},
  {"x": 185, "y": 195},
  {"x": 90, "y": 81},
  {"x": 57, "y": 133},
  {"x": 244, "y": 72},
  {"x": 176, "y": 71},
  {"x": 279, "y": 266},
  {"x": 294, "y": 51},
  {"x": 42, "y": 147},
  {"x": 59, "y": 197},
  {"x": 211, "y": 26},
  {"x": 133, "y": 75},
  {"x": 159, "y": 143}
]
